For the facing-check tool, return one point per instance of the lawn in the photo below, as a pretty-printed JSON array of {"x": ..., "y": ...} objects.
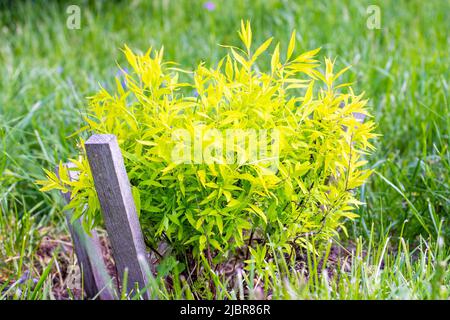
[{"x": 398, "y": 247}]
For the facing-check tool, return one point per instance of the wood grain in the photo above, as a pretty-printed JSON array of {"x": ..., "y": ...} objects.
[{"x": 118, "y": 208}]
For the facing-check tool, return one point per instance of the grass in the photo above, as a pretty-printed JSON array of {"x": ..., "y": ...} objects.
[{"x": 47, "y": 70}]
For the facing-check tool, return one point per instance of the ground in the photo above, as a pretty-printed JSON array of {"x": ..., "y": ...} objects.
[{"x": 47, "y": 70}]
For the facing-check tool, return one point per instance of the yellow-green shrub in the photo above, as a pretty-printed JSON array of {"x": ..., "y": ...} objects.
[{"x": 218, "y": 207}]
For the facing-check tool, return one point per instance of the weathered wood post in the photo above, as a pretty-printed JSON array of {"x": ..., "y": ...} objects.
[
  {"x": 118, "y": 208},
  {"x": 95, "y": 279}
]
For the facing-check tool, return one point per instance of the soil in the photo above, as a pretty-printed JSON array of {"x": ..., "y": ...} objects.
[
  {"x": 65, "y": 273},
  {"x": 66, "y": 277}
]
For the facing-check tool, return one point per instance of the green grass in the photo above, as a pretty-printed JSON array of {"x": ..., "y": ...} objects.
[
  {"x": 47, "y": 70},
  {"x": 372, "y": 272}
]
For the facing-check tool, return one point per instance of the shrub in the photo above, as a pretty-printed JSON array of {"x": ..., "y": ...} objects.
[{"x": 286, "y": 175}]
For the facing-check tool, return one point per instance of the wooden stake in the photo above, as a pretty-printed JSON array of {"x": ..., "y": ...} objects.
[
  {"x": 96, "y": 281},
  {"x": 118, "y": 208}
]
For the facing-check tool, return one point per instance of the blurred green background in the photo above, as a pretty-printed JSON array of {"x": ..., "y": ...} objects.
[{"x": 47, "y": 70}]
